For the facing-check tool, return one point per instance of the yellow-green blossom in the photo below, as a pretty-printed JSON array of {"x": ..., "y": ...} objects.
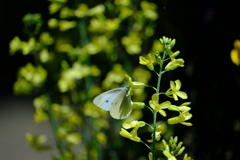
[
  {"x": 114, "y": 76},
  {"x": 132, "y": 43},
  {"x": 125, "y": 12},
  {"x": 149, "y": 10},
  {"x": 157, "y": 137},
  {"x": 97, "y": 10},
  {"x": 169, "y": 155},
  {"x": 40, "y": 115},
  {"x": 138, "y": 105},
  {"x": 66, "y": 25},
  {"x": 235, "y": 53},
  {"x": 45, "y": 56},
  {"x": 186, "y": 157},
  {"x": 132, "y": 135},
  {"x": 133, "y": 84},
  {"x": 74, "y": 138},
  {"x": 81, "y": 10},
  {"x": 53, "y": 23},
  {"x": 54, "y": 7},
  {"x": 122, "y": 2},
  {"x": 148, "y": 62},
  {"x": 46, "y": 39},
  {"x": 181, "y": 150},
  {"x": 175, "y": 63},
  {"x": 101, "y": 138},
  {"x": 154, "y": 104},
  {"x": 38, "y": 142},
  {"x": 66, "y": 13},
  {"x": 150, "y": 156},
  {"x": 181, "y": 119},
  {"x": 27, "y": 47},
  {"x": 15, "y": 45},
  {"x": 173, "y": 91},
  {"x": 182, "y": 108},
  {"x": 133, "y": 124}
]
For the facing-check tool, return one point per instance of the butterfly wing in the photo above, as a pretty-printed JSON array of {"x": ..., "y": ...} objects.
[
  {"x": 106, "y": 99},
  {"x": 121, "y": 106}
]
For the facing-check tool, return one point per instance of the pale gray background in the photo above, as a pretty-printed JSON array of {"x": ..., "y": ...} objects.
[{"x": 16, "y": 118}]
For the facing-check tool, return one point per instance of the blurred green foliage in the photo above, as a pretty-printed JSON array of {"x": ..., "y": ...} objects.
[{"x": 77, "y": 48}]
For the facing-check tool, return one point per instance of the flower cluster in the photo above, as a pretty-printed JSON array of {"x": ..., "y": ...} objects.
[{"x": 171, "y": 149}]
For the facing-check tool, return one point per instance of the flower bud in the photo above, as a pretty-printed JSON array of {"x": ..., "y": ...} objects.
[
  {"x": 165, "y": 40},
  {"x": 172, "y": 43},
  {"x": 181, "y": 150},
  {"x": 179, "y": 145},
  {"x": 161, "y": 40},
  {"x": 158, "y": 57},
  {"x": 175, "y": 54},
  {"x": 138, "y": 105},
  {"x": 175, "y": 140},
  {"x": 138, "y": 85}
]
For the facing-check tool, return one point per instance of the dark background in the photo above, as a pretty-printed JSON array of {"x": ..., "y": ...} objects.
[{"x": 205, "y": 32}]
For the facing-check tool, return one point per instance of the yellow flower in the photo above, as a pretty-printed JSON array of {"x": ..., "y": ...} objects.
[
  {"x": 182, "y": 108},
  {"x": 132, "y": 135},
  {"x": 181, "y": 119},
  {"x": 149, "y": 10},
  {"x": 125, "y": 12},
  {"x": 27, "y": 47},
  {"x": 159, "y": 107},
  {"x": 74, "y": 138},
  {"x": 157, "y": 137},
  {"x": 54, "y": 7},
  {"x": 66, "y": 25},
  {"x": 235, "y": 53},
  {"x": 38, "y": 142},
  {"x": 101, "y": 138},
  {"x": 148, "y": 62},
  {"x": 173, "y": 91},
  {"x": 133, "y": 124},
  {"x": 81, "y": 10},
  {"x": 169, "y": 155},
  {"x": 97, "y": 10},
  {"x": 46, "y": 39},
  {"x": 186, "y": 157},
  {"x": 122, "y": 2},
  {"x": 150, "y": 156},
  {"x": 52, "y": 23},
  {"x": 66, "y": 13},
  {"x": 175, "y": 63},
  {"x": 133, "y": 84},
  {"x": 113, "y": 77},
  {"x": 15, "y": 45},
  {"x": 132, "y": 43},
  {"x": 45, "y": 56}
]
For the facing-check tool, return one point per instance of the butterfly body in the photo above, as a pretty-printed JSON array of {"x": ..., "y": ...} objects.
[{"x": 116, "y": 102}]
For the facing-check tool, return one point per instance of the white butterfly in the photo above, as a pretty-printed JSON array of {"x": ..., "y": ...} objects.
[{"x": 116, "y": 101}]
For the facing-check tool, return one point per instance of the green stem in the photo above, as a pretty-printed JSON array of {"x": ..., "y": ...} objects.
[
  {"x": 154, "y": 134},
  {"x": 146, "y": 145},
  {"x": 155, "y": 113},
  {"x": 160, "y": 73},
  {"x": 54, "y": 125}
]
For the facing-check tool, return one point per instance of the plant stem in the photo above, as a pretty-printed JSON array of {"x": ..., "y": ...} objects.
[
  {"x": 160, "y": 73},
  {"x": 155, "y": 113},
  {"x": 154, "y": 134},
  {"x": 146, "y": 145},
  {"x": 54, "y": 125}
]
